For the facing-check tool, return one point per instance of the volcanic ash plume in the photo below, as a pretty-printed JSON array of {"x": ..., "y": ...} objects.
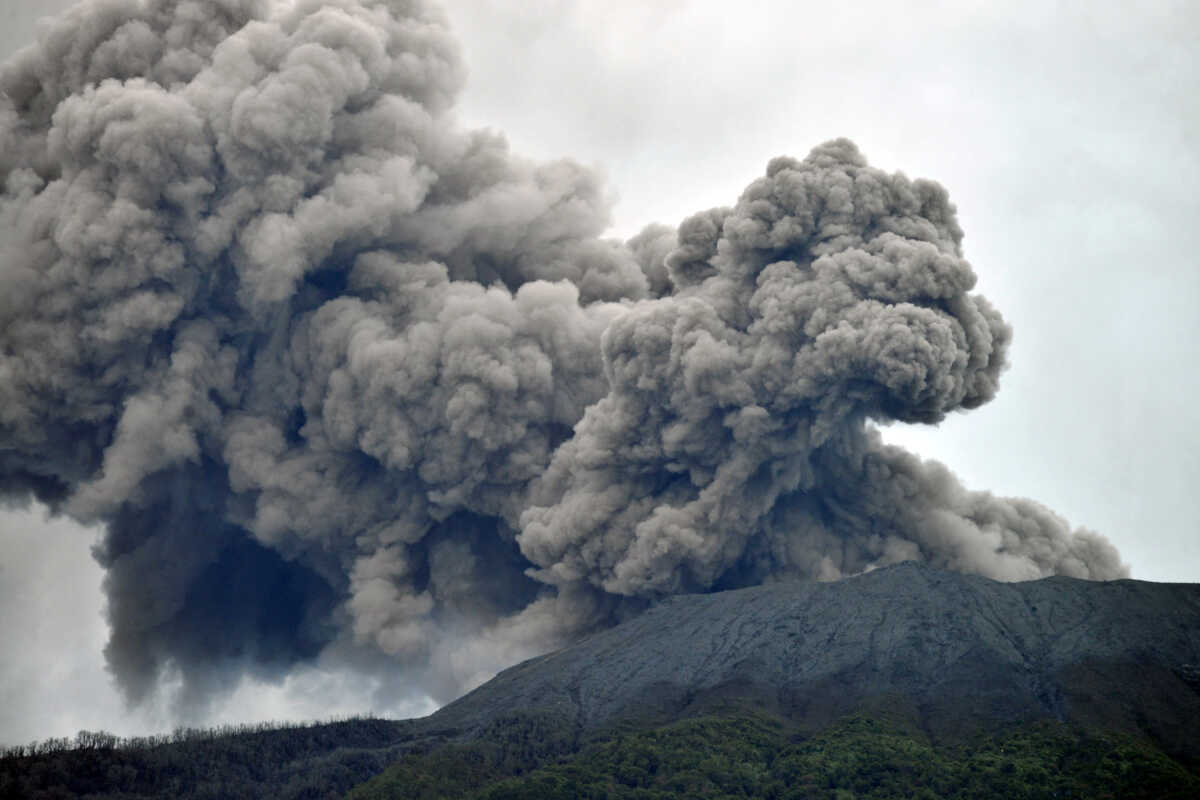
[{"x": 344, "y": 380}]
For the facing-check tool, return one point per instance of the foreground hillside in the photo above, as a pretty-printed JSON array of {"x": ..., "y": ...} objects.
[
  {"x": 303, "y": 761},
  {"x": 902, "y": 682},
  {"x": 751, "y": 755},
  {"x": 737, "y": 754}
]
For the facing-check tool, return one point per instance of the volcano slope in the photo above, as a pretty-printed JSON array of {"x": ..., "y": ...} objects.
[
  {"x": 906, "y": 681},
  {"x": 951, "y": 653},
  {"x": 901, "y": 682}
]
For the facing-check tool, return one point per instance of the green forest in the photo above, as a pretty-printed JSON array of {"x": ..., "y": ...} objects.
[
  {"x": 734, "y": 755},
  {"x": 755, "y": 756},
  {"x": 235, "y": 762}
]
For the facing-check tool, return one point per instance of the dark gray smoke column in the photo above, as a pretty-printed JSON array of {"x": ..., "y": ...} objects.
[{"x": 341, "y": 377}]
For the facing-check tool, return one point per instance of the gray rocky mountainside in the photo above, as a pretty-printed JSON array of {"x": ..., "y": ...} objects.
[
  {"x": 901, "y": 679},
  {"x": 952, "y": 652}
]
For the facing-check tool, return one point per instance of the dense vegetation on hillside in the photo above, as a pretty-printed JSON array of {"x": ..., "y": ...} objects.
[
  {"x": 753, "y": 756},
  {"x": 318, "y": 760},
  {"x": 736, "y": 755}
]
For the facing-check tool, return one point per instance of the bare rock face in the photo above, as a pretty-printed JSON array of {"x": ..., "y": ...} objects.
[{"x": 953, "y": 652}]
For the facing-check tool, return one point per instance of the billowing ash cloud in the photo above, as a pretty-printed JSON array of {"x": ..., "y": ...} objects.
[{"x": 342, "y": 377}]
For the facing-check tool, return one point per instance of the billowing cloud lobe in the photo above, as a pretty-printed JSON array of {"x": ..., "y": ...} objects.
[{"x": 344, "y": 379}]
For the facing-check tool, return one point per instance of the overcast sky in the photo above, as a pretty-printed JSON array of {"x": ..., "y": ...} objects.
[{"x": 1066, "y": 133}]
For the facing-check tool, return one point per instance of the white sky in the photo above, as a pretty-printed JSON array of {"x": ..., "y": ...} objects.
[{"x": 1068, "y": 134}]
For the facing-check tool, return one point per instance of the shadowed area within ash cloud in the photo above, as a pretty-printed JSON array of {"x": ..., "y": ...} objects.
[{"x": 343, "y": 379}]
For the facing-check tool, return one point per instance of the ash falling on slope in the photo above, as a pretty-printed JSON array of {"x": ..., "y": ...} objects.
[{"x": 341, "y": 377}]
